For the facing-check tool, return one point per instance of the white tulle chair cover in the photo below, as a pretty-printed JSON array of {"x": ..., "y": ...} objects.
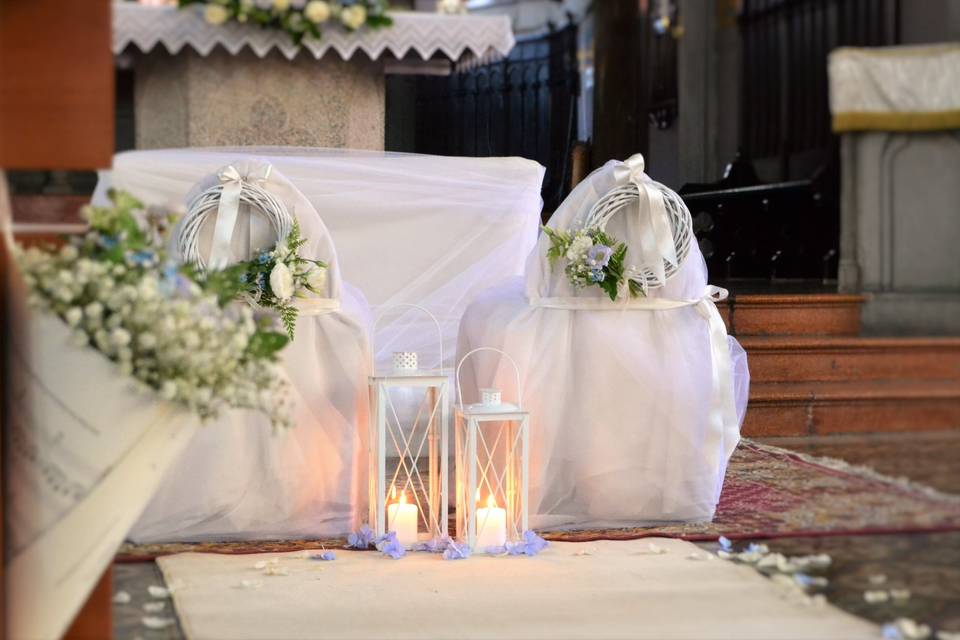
[
  {"x": 239, "y": 480},
  {"x": 630, "y": 424},
  {"x": 409, "y": 228}
]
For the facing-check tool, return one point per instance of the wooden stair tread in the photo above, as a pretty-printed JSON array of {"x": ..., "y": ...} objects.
[
  {"x": 796, "y": 343},
  {"x": 792, "y": 314},
  {"x": 773, "y": 392}
]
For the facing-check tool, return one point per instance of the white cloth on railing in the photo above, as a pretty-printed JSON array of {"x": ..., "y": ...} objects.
[
  {"x": 239, "y": 480},
  {"x": 426, "y": 34},
  {"x": 428, "y": 230},
  {"x": 635, "y": 405}
]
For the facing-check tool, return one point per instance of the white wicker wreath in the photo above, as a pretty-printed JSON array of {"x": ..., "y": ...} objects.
[
  {"x": 624, "y": 196},
  {"x": 251, "y": 193}
]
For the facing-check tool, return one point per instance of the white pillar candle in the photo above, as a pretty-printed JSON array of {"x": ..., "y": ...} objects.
[
  {"x": 491, "y": 525},
  {"x": 402, "y": 518}
]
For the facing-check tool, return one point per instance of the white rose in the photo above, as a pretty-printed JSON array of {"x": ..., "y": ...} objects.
[
  {"x": 281, "y": 281},
  {"x": 353, "y": 16},
  {"x": 317, "y": 11},
  {"x": 281, "y": 5},
  {"x": 317, "y": 279},
  {"x": 215, "y": 14}
]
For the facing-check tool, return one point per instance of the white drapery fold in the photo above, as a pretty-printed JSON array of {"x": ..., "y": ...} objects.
[{"x": 239, "y": 480}]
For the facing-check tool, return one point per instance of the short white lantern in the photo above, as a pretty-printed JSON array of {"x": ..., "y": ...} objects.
[
  {"x": 408, "y": 498},
  {"x": 492, "y": 466}
]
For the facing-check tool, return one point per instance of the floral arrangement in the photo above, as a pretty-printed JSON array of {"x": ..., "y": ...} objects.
[
  {"x": 449, "y": 549},
  {"x": 168, "y": 328},
  {"x": 298, "y": 18},
  {"x": 593, "y": 259},
  {"x": 273, "y": 279}
]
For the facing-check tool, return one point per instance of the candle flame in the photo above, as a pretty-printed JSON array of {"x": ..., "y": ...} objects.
[
  {"x": 393, "y": 492},
  {"x": 403, "y": 497},
  {"x": 491, "y": 503}
]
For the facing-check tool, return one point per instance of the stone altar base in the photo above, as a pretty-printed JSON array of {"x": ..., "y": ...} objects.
[{"x": 224, "y": 99}]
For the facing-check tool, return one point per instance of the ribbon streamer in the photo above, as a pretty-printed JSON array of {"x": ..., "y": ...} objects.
[
  {"x": 229, "y": 208},
  {"x": 656, "y": 233}
]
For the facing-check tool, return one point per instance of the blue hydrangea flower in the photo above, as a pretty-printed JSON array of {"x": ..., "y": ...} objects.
[
  {"x": 599, "y": 255},
  {"x": 725, "y": 543},
  {"x": 243, "y": 278},
  {"x": 141, "y": 258},
  {"x": 263, "y": 258},
  {"x": 326, "y": 556},
  {"x": 598, "y": 275},
  {"x": 261, "y": 280},
  {"x": 456, "y": 551},
  {"x": 361, "y": 539},
  {"x": 388, "y": 545},
  {"x": 108, "y": 242},
  {"x": 438, "y": 544}
]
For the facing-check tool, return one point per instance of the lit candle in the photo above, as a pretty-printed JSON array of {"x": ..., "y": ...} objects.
[
  {"x": 491, "y": 525},
  {"x": 402, "y": 518}
]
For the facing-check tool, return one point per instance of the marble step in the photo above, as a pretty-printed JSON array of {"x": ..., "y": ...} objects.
[
  {"x": 792, "y": 314},
  {"x": 819, "y": 408},
  {"x": 842, "y": 358}
]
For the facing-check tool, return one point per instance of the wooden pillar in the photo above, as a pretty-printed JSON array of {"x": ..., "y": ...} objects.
[
  {"x": 56, "y": 112},
  {"x": 621, "y": 86}
]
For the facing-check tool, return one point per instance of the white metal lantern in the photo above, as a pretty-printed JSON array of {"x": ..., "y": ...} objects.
[
  {"x": 492, "y": 466},
  {"x": 409, "y": 499}
]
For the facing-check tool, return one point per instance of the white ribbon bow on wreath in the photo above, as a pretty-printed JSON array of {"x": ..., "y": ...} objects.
[
  {"x": 656, "y": 234},
  {"x": 229, "y": 207}
]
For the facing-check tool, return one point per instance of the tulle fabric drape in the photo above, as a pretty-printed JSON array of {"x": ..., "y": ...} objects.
[
  {"x": 428, "y": 230},
  {"x": 239, "y": 480},
  {"x": 619, "y": 398}
]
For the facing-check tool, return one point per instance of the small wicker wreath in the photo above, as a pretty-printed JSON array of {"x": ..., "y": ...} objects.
[
  {"x": 262, "y": 201},
  {"x": 681, "y": 223}
]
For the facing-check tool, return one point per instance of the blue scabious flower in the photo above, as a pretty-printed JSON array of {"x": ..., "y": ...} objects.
[
  {"x": 361, "y": 539},
  {"x": 599, "y": 255},
  {"x": 326, "y": 556}
]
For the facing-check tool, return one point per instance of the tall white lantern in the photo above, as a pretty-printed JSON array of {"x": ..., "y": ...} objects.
[
  {"x": 409, "y": 499},
  {"x": 492, "y": 466}
]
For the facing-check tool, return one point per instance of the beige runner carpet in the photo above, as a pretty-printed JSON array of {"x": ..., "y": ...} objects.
[{"x": 593, "y": 590}]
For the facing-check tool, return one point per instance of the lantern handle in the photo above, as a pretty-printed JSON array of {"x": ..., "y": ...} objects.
[
  {"x": 516, "y": 371},
  {"x": 408, "y": 305}
]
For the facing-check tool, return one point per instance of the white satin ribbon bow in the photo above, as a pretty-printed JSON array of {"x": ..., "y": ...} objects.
[
  {"x": 656, "y": 234},
  {"x": 229, "y": 207}
]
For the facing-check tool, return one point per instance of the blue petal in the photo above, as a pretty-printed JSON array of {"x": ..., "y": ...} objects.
[
  {"x": 725, "y": 543},
  {"x": 326, "y": 556}
]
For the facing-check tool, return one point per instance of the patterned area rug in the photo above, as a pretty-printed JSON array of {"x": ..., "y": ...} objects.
[{"x": 769, "y": 493}]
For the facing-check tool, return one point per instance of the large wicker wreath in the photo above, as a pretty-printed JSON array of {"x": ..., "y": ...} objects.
[
  {"x": 624, "y": 197},
  {"x": 251, "y": 193}
]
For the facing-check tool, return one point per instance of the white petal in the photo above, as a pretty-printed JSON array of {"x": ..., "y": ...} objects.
[
  {"x": 153, "y": 622},
  {"x": 158, "y": 592}
]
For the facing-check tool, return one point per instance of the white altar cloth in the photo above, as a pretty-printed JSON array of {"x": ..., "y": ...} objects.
[
  {"x": 426, "y": 34},
  {"x": 419, "y": 229},
  {"x": 915, "y": 88}
]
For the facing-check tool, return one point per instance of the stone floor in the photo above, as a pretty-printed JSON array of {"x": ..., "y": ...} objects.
[{"x": 928, "y": 564}]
